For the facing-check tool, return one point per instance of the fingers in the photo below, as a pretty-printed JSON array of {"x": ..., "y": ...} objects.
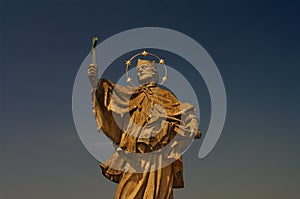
[
  {"x": 93, "y": 67},
  {"x": 93, "y": 75},
  {"x": 93, "y": 70}
]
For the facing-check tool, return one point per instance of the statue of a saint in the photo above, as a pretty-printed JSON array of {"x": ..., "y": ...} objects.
[{"x": 154, "y": 117}]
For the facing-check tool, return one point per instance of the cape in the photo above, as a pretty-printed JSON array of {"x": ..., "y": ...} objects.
[{"x": 140, "y": 120}]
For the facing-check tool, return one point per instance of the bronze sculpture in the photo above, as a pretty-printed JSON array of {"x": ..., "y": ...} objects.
[{"x": 144, "y": 131}]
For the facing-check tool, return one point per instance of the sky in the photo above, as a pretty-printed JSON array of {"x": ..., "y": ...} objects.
[{"x": 255, "y": 45}]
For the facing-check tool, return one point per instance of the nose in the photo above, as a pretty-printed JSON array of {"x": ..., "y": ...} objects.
[{"x": 140, "y": 70}]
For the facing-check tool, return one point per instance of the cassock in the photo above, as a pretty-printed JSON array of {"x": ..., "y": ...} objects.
[{"x": 142, "y": 120}]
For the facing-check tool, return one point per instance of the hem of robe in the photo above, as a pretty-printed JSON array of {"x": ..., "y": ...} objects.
[
  {"x": 105, "y": 104},
  {"x": 115, "y": 175}
]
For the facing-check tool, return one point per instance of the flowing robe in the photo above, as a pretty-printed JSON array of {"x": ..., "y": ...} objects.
[{"x": 142, "y": 120}]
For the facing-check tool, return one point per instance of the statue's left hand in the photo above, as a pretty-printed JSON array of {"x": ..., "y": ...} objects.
[{"x": 194, "y": 129}]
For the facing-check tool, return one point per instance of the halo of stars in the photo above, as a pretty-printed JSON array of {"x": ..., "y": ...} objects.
[{"x": 145, "y": 53}]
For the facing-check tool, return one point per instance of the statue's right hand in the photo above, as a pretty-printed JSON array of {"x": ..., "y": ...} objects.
[{"x": 93, "y": 75}]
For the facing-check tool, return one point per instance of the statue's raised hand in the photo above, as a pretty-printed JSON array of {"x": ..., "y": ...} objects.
[{"x": 93, "y": 75}]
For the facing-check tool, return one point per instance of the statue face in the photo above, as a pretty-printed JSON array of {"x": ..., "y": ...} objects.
[{"x": 146, "y": 73}]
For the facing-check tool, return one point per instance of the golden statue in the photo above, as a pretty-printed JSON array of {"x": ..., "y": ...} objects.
[{"x": 144, "y": 131}]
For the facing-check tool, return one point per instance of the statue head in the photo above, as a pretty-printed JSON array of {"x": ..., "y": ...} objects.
[{"x": 146, "y": 71}]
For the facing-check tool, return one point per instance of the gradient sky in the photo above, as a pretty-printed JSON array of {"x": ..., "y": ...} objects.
[{"x": 255, "y": 44}]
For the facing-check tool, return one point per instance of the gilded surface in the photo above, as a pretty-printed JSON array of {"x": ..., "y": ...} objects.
[{"x": 155, "y": 118}]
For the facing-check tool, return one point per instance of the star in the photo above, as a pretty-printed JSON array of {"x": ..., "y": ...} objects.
[
  {"x": 128, "y": 62},
  {"x": 161, "y": 61},
  {"x": 144, "y": 53},
  {"x": 129, "y": 79},
  {"x": 164, "y": 78}
]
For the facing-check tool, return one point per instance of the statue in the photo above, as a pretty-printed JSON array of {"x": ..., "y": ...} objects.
[{"x": 144, "y": 130}]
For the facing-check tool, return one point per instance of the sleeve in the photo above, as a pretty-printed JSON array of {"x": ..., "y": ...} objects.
[
  {"x": 190, "y": 119},
  {"x": 103, "y": 114}
]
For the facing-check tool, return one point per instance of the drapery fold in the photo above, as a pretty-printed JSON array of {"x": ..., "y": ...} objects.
[{"x": 141, "y": 120}]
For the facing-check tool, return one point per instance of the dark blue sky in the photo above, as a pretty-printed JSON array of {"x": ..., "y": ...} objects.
[{"x": 255, "y": 44}]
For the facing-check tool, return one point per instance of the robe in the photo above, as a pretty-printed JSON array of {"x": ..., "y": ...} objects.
[{"x": 142, "y": 120}]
